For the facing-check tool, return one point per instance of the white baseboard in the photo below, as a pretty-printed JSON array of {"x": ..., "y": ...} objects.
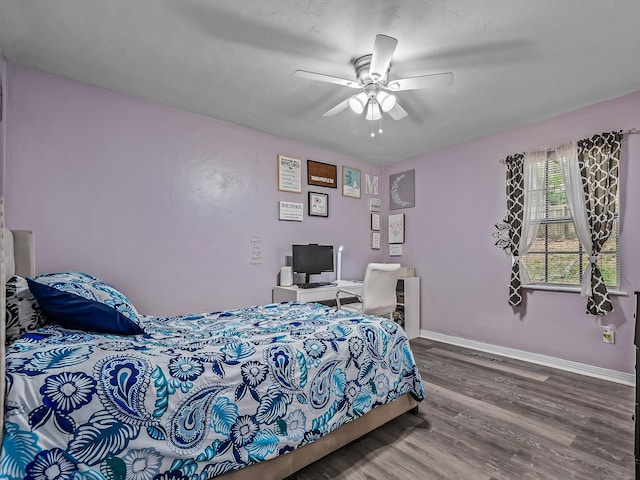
[{"x": 559, "y": 363}]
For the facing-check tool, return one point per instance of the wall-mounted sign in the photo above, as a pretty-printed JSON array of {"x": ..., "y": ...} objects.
[
  {"x": 370, "y": 184},
  {"x": 395, "y": 250},
  {"x": 318, "y": 204},
  {"x": 402, "y": 190},
  {"x": 351, "y": 178},
  {"x": 396, "y": 228},
  {"x": 289, "y": 174},
  {"x": 375, "y": 240},
  {"x": 291, "y": 211},
  {"x": 375, "y": 222},
  {"x": 322, "y": 174}
]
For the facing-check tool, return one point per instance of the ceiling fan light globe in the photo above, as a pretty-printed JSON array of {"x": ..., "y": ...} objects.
[
  {"x": 358, "y": 102},
  {"x": 373, "y": 111},
  {"x": 387, "y": 101}
]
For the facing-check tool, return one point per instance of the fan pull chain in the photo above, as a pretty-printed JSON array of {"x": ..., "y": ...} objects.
[
  {"x": 380, "y": 129},
  {"x": 372, "y": 134}
]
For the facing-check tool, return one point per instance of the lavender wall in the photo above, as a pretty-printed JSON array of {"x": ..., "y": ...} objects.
[
  {"x": 3, "y": 122},
  {"x": 162, "y": 203},
  {"x": 459, "y": 197}
]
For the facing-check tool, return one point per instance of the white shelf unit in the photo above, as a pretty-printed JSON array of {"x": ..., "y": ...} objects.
[{"x": 407, "y": 312}]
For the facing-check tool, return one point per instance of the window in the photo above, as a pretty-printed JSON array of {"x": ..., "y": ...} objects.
[{"x": 556, "y": 256}]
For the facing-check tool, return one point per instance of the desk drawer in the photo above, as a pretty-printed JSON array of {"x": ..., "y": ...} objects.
[{"x": 322, "y": 294}]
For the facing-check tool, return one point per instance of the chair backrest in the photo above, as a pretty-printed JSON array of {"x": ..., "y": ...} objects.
[{"x": 379, "y": 288}]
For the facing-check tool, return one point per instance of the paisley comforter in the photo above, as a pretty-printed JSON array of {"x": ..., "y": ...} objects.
[{"x": 196, "y": 396}]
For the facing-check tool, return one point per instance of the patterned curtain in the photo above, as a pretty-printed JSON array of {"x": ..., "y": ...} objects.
[
  {"x": 598, "y": 159},
  {"x": 515, "y": 208}
]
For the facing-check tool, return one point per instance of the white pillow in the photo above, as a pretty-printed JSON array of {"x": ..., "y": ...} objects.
[{"x": 9, "y": 256}]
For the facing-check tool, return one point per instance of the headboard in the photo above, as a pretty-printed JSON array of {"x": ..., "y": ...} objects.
[{"x": 17, "y": 257}]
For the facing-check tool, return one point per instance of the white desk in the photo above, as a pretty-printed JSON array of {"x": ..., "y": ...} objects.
[
  {"x": 408, "y": 299},
  {"x": 318, "y": 294}
]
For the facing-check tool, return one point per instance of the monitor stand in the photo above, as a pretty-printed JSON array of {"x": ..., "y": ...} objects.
[{"x": 305, "y": 277}]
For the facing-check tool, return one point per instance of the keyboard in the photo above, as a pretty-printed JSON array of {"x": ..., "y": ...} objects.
[{"x": 315, "y": 284}]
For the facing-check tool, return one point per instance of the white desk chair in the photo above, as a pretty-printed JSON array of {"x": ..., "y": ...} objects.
[{"x": 378, "y": 291}]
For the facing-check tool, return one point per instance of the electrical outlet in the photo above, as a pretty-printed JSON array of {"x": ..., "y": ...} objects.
[{"x": 608, "y": 335}]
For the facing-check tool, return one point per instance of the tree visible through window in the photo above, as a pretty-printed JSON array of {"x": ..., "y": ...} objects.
[{"x": 556, "y": 256}]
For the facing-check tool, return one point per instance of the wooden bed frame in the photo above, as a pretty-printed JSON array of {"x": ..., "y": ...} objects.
[{"x": 274, "y": 469}]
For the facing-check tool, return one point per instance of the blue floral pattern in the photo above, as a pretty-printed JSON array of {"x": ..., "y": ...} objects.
[{"x": 195, "y": 396}]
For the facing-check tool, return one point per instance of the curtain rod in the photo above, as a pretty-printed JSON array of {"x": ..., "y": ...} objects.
[{"x": 630, "y": 131}]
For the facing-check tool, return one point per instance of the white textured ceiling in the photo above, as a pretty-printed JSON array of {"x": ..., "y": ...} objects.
[{"x": 515, "y": 61}]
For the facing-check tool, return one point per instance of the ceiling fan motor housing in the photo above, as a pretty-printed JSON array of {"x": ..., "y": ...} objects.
[{"x": 361, "y": 66}]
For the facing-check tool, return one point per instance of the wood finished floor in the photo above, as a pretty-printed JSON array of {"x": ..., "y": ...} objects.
[{"x": 487, "y": 417}]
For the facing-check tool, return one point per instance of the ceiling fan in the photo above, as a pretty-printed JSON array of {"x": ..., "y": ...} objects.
[{"x": 377, "y": 89}]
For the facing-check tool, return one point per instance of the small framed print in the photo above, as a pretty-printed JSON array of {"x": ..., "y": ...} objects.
[
  {"x": 374, "y": 204},
  {"x": 375, "y": 240},
  {"x": 318, "y": 204},
  {"x": 351, "y": 182},
  {"x": 289, "y": 174},
  {"x": 395, "y": 250},
  {"x": 322, "y": 174},
  {"x": 396, "y": 228},
  {"x": 290, "y": 211},
  {"x": 375, "y": 222}
]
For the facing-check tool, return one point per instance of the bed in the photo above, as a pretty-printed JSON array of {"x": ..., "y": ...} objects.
[{"x": 257, "y": 392}]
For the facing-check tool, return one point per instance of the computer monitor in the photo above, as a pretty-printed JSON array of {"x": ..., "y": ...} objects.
[{"x": 312, "y": 259}]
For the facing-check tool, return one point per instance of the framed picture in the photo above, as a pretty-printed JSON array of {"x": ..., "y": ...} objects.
[
  {"x": 318, "y": 204},
  {"x": 375, "y": 222},
  {"x": 374, "y": 204},
  {"x": 402, "y": 190},
  {"x": 290, "y": 211},
  {"x": 395, "y": 250},
  {"x": 289, "y": 174},
  {"x": 322, "y": 174},
  {"x": 396, "y": 228},
  {"x": 375, "y": 240},
  {"x": 351, "y": 181}
]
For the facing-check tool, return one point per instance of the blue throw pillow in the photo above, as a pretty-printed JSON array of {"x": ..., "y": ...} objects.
[{"x": 82, "y": 302}]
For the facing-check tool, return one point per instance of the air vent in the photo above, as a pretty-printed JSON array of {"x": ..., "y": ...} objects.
[{"x": 486, "y": 358}]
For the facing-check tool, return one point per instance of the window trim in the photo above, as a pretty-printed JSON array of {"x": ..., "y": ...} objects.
[{"x": 560, "y": 287}]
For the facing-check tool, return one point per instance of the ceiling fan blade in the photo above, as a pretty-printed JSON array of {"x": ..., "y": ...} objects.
[
  {"x": 397, "y": 112},
  {"x": 423, "y": 81},
  {"x": 338, "y": 108},
  {"x": 320, "y": 77},
  {"x": 383, "y": 49}
]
